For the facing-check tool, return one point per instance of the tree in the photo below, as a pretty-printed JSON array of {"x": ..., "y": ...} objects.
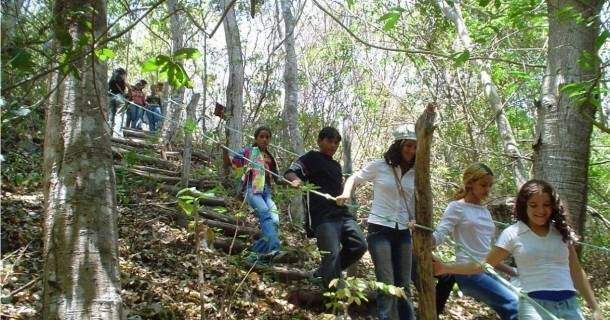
[
  {"x": 81, "y": 264},
  {"x": 235, "y": 86},
  {"x": 452, "y": 11},
  {"x": 291, "y": 86},
  {"x": 177, "y": 94},
  {"x": 565, "y": 121},
  {"x": 422, "y": 239}
]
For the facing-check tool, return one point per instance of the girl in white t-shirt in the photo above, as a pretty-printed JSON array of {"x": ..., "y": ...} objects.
[
  {"x": 470, "y": 225},
  {"x": 542, "y": 245}
]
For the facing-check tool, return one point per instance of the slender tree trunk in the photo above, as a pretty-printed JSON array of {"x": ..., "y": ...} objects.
[
  {"x": 174, "y": 111},
  {"x": 422, "y": 239},
  {"x": 235, "y": 87},
  {"x": 81, "y": 263},
  {"x": 188, "y": 138},
  {"x": 204, "y": 80},
  {"x": 291, "y": 87},
  {"x": 453, "y": 12},
  {"x": 291, "y": 100},
  {"x": 563, "y": 135}
]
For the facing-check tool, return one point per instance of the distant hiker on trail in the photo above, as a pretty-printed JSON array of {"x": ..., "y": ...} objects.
[
  {"x": 391, "y": 218},
  {"x": 136, "y": 96},
  {"x": 471, "y": 226},
  {"x": 542, "y": 243},
  {"x": 339, "y": 238},
  {"x": 153, "y": 107},
  {"x": 116, "y": 97},
  {"x": 256, "y": 187}
]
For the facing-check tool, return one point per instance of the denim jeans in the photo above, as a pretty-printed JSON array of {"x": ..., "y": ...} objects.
[
  {"x": 114, "y": 104},
  {"x": 132, "y": 117},
  {"x": 153, "y": 116},
  {"x": 391, "y": 251},
  {"x": 266, "y": 211},
  {"x": 487, "y": 289},
  {"x": 565, "y": 309},
  {"x": 139, "y": 117},
  {"x": 341, "y": 243}
]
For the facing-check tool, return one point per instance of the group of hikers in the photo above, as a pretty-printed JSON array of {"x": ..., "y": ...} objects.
[
  {"x": 541, "y": 241},
  {"x": 134, "y": 101}
]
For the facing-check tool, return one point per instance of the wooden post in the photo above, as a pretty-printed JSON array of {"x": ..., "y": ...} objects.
[{"x": 422, "y": 239}]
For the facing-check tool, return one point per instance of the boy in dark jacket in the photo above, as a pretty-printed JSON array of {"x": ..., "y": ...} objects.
[{"x": 339, "y": 238}]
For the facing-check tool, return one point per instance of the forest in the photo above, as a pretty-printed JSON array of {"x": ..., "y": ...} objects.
[{"x": 305, "y": 159}]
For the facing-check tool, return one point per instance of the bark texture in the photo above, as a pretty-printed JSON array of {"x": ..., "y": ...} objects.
[
  {"x": 81, "y": 265},
  {"x": 563, "y": 136},
  {"x": 422, "y": 239}
]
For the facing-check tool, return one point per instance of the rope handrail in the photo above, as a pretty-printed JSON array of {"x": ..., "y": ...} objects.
[
  {"x": 324, "y": 195},
  {"x": 237, "y": 131},
  {"x": 484, "y": 266}
]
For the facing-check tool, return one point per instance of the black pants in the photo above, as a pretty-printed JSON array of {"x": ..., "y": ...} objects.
[
  {"x": 341, "y": 243},
  {"x": 444, "y": 285}
]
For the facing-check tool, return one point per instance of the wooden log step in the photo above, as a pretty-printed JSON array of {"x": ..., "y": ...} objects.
[
  {"x": 140, "y": 134},
  {"x": 229, "y": 229},
  {"x": 157, "y": 170},
  {"x": 119, "y": 152},
  {"x": 200, "y": 184},
  {"x": 283, "y": 274},
  {"x": 211, "y": 201},
  {"x": 224, "y": 244},
  {"x": 210, "y": 214},
  {"x": 138, "y": 143}
]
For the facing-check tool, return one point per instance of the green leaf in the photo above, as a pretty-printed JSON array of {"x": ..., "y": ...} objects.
[
  {"x": 460, "y": 58},
  {"x": 350, "y": 3},
  {"x": 190, "y": 126},
  {"x": 104, "y": 54},
  {"x": 21, "y": 59},
  {"x": 601, "y": 39},
  {"x": 186, "y": 53},
  {"x": 484, "y": 3}
]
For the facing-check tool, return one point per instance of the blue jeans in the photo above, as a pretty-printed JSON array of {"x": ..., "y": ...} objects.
[
  {"x": 487, "y": 289},
  {"x": 341, "y": 243},
  {"x": 391, "y": 252},
  {"x": 132, "y": 116},
  {"x": 565, "y": 309},
  {"x": 268, "y": 220},
  {"x": 153, "y": 116},
  {"x": 114, "y": 104}
]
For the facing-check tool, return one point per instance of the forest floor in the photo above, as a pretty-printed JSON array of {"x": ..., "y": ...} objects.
[{"x": 159, "y": 268}]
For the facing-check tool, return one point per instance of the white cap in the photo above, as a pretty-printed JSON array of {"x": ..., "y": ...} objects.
[{"x": 405, "y": 132}]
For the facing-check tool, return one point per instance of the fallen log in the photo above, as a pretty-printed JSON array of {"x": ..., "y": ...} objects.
[
  {"x": 224, "y": 244},
  {"x": 134, "y": 133},
  {"x": 137, "y": 143},
  {"x": 209, "y": 214},
  {"x": 157, "y": 170},
  {"x": 200, "y": 184},
  {"x": 282, "y": 274},
  {"x": 230, "y": 229},
  {"x": 211, "y": 201},
  {"x": 119, "y": 153}
]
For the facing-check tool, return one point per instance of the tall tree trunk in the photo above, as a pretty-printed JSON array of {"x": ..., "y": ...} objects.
[
  {"x": 452, "y": 11},
  {"x": 563, "y": 134},
  {"x": 422, "y": 239},
  {"x": 174, "y": 111},
  {"x": 81, "y": 262},
  {"x": 235, "y": 87},
  {"x": 188, "y": 139},
  {"x": 291, "y": 86},
  {"x": 291, "y": 100}
]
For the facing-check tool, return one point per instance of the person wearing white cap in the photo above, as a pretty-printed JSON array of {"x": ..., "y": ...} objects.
[{"x": 391, "y": 218}]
